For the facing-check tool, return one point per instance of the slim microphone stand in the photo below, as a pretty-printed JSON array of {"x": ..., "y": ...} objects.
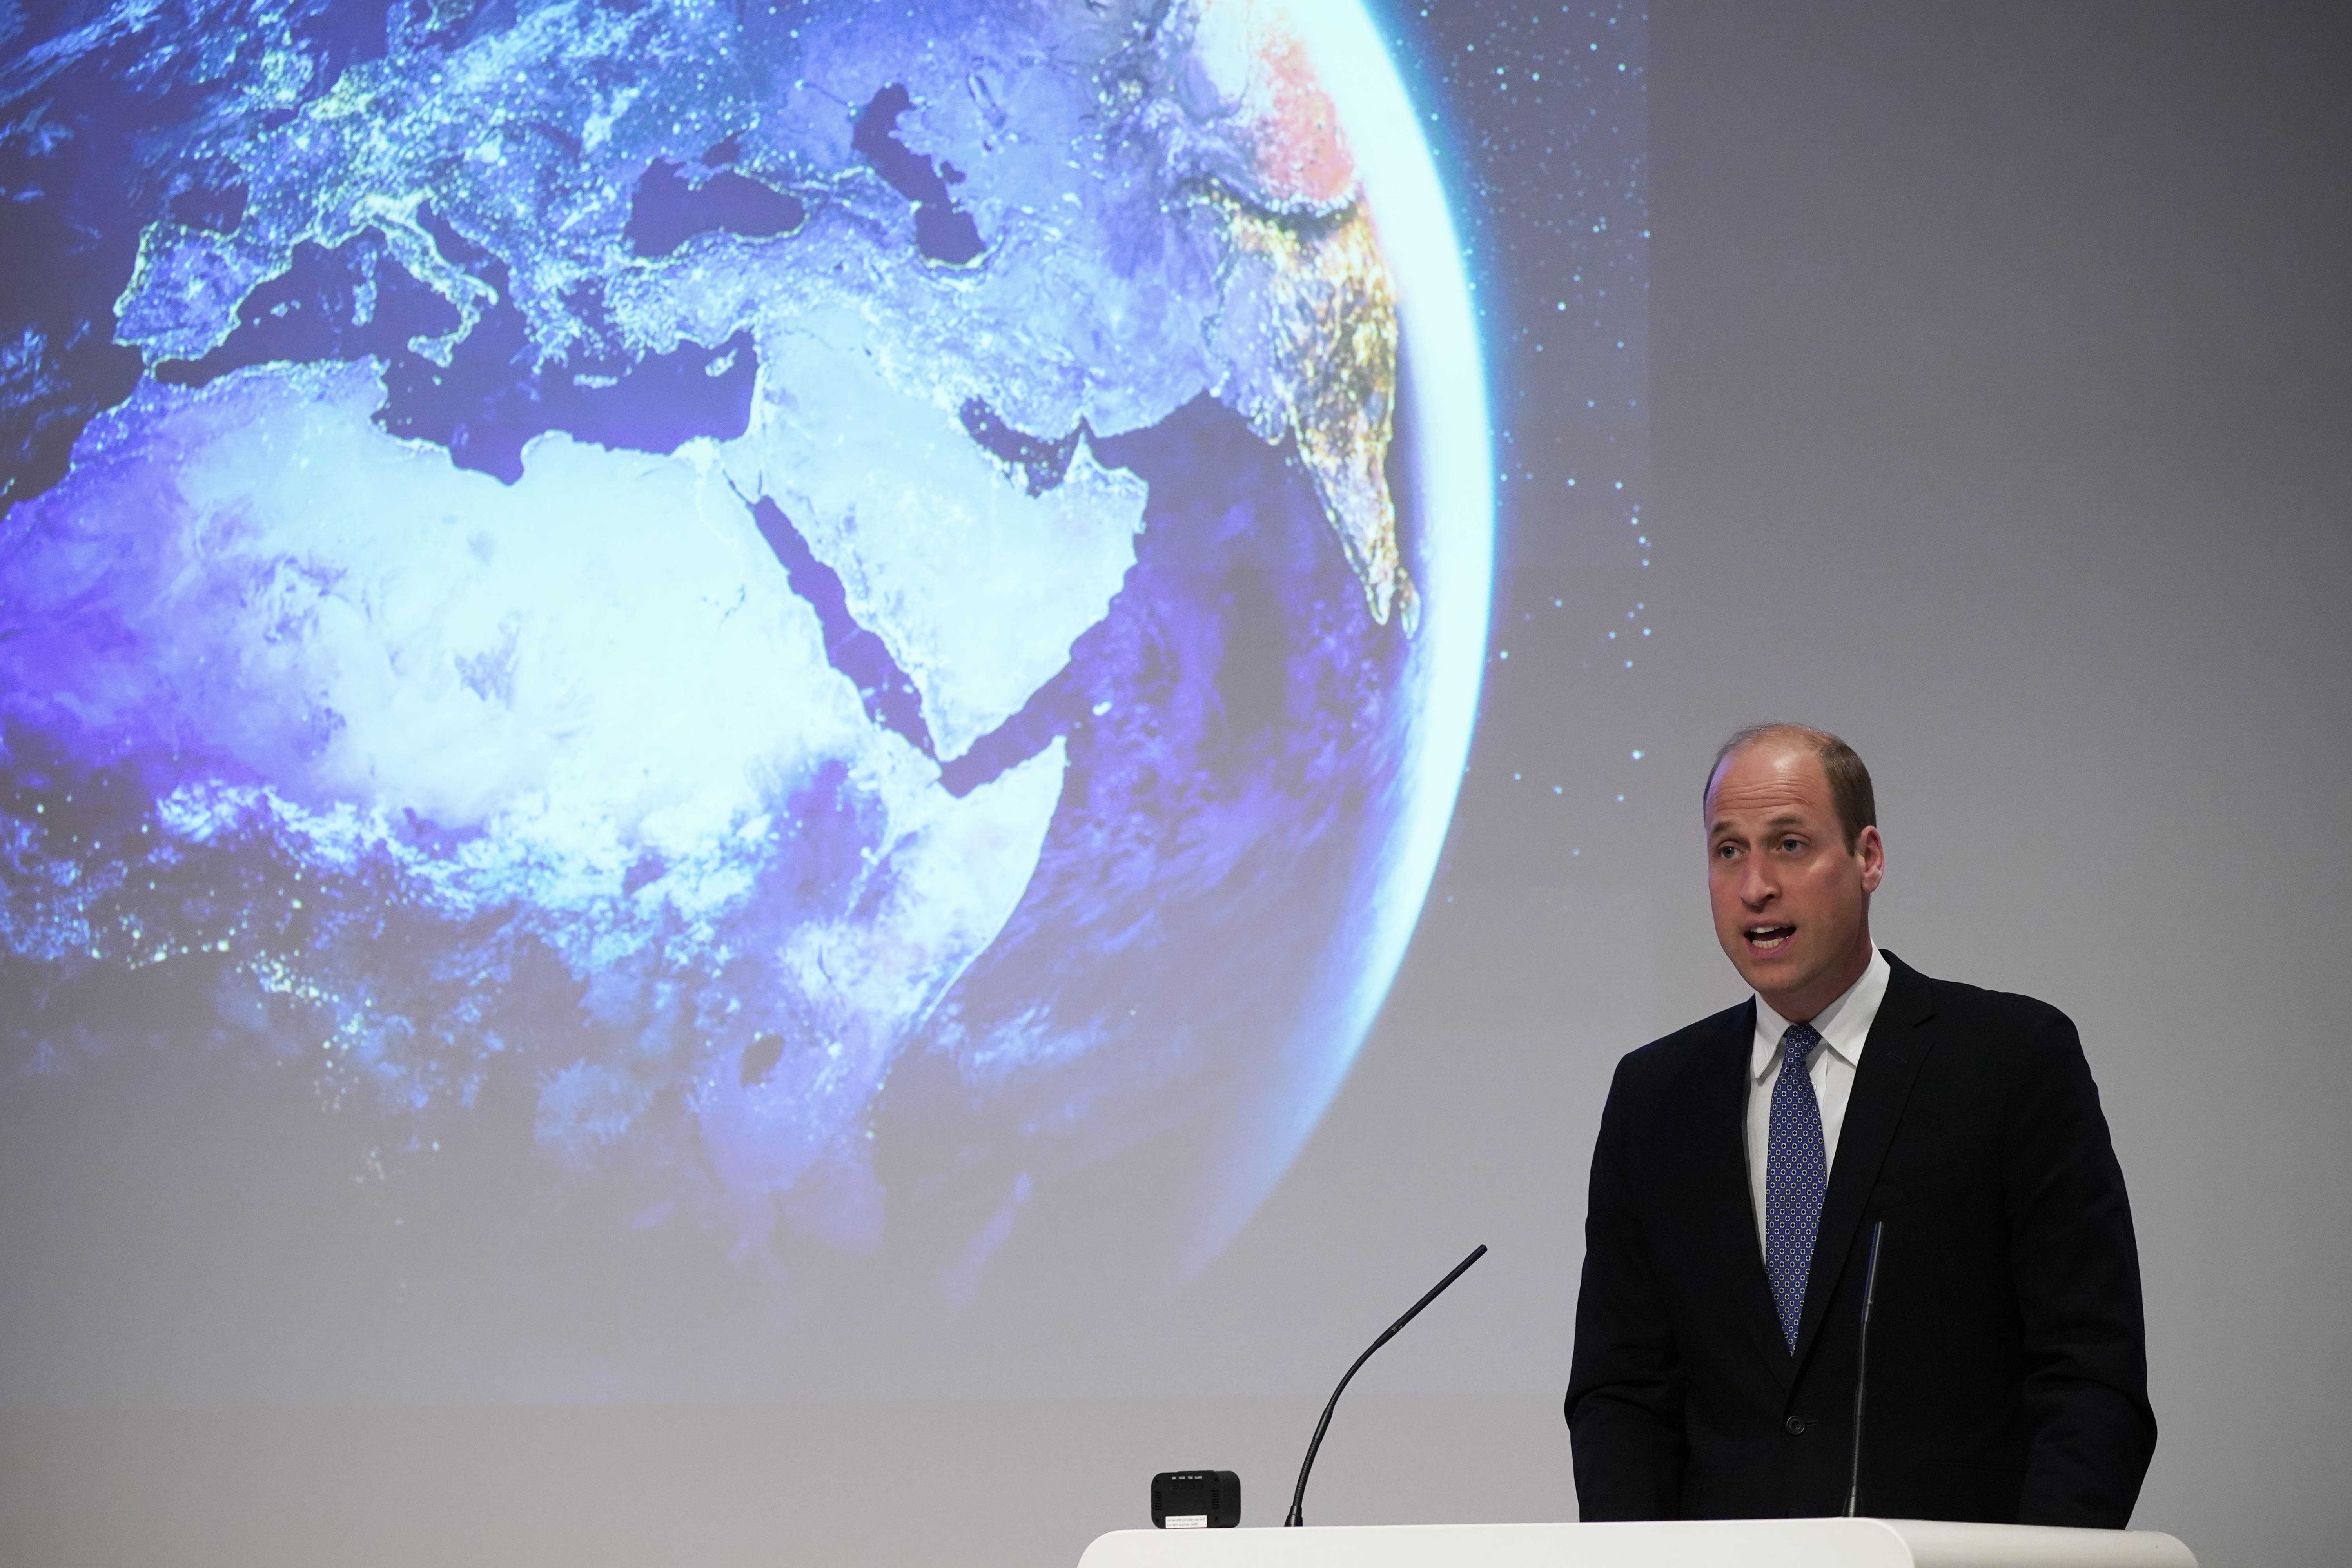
[
  {"x": 1298, "y": 1495},
  {"x": 1861, "y": 1371}
]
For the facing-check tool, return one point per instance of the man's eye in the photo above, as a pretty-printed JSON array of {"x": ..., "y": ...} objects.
[{"x": 1792, "y": 844}]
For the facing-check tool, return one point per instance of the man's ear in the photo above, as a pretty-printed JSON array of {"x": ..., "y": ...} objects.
[{"x": 1871, "y": 850}]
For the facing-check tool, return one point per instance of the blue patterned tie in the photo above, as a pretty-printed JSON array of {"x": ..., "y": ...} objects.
[{"x": 1796, "y": 1176}]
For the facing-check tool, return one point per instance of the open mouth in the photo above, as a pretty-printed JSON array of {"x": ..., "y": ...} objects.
[{"x": 1769, "y": 939}]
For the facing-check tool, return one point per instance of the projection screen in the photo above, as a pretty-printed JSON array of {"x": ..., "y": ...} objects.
[
  {"x": 714, "y": 703},
  {"x": 792, "y": 781}
]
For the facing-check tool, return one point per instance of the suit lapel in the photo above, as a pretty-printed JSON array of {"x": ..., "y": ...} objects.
[
  {"x": 1898, "y": 1043},
  {"x": 1721, "y": 1099}
]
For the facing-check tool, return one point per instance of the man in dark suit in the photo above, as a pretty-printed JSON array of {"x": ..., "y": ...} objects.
[{"x": 1746, "y": 1163}]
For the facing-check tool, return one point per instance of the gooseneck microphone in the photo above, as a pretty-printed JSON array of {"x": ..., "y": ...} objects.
[
  {"x": 1298, "y": 1494},
  {"x": 1861, "y": 1371}
]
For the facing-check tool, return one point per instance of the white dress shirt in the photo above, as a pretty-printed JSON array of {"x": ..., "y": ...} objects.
[{"x": 1842, "y": 1026}]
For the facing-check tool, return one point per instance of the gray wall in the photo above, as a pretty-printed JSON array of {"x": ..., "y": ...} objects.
[{"x": 2011, "y": 344}]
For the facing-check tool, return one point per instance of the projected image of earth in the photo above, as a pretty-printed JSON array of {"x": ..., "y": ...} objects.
[{"x": 836, "y": 594}]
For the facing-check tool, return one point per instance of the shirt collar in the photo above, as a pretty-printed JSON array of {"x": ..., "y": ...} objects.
[{"x": 1844, "y": 1025}]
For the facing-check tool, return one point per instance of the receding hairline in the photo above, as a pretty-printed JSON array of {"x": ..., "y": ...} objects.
[
  {"x": 1805, "y": 737},
  {"x": 1851, "y": 792}
]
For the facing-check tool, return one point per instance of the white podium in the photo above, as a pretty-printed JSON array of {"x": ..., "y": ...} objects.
[{"x": 1694, "y": 1543}]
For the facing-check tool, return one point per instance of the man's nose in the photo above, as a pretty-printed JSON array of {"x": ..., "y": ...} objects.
[{"x": 1756, "y": 888}]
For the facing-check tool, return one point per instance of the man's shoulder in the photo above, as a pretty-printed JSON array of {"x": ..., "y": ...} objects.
[
  {"x": 2007, "y": 1014},
  {"x": 2011, "y": 1037},
  {"x": 1667, "y": 1059}
]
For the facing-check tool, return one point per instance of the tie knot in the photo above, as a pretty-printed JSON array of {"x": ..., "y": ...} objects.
[{"x": 1797, "y": 1043}]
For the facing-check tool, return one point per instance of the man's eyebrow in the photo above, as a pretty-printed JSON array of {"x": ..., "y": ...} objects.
[{"x": 1722, "y": 826}]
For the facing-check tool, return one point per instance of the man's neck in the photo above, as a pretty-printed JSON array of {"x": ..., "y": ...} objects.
[{"x": 1804, "y": 1005}]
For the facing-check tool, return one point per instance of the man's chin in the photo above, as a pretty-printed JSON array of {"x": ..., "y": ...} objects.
[{"x": 1769, "y": 975}]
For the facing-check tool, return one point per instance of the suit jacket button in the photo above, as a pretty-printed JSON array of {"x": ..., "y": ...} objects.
[{"x": 1796, "y": 1424}]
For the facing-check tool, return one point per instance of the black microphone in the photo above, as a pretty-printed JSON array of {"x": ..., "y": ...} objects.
[
  {"x": 1298, "y": 1496},
  {"x": 1861, "y": 1371}
]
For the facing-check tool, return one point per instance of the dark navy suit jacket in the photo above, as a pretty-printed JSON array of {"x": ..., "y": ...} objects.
[{"x": 2008, "y": 1365}]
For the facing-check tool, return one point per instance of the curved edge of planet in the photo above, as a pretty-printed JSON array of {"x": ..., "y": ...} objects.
[{"x": 772, "y": 686}]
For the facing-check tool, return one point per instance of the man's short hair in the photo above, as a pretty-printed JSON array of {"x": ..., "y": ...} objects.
[{"x": 1850, "y": 791}]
